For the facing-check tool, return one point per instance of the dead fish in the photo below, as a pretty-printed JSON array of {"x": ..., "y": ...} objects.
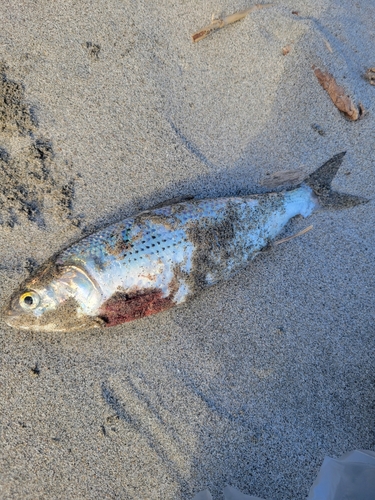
[{"x": 163, "y": 256}]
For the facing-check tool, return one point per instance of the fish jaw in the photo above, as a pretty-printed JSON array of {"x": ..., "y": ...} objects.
[{"x": 79, "y": 324}]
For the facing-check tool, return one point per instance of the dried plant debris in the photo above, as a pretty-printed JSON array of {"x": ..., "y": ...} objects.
[
  {"x": 284, "y": 179},
  {"x": 30, "y": 182},
  {"x": 286, "y": 50},
  {"x": 318, "y": 128},
  {"x": 370, "y": 76},
  {"x": 93, "y": 49},
  {"x": 328, "y": 45},
  {"x": 35, "y": 371},
  {"x": 288, "y": 238},
  {"x": 338, "y": 95},
  {"x": 225, "y": 21},
  {"x": 16, "y": 116}
]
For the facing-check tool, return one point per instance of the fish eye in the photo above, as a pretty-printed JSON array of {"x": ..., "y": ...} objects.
[{"x": 29, "y": 300}]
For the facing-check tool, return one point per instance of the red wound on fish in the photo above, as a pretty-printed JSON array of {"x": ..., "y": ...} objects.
[{"x": 121, "y": 308}]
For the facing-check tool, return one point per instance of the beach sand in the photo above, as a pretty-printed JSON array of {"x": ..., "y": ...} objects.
[{"x": 110, "y": 108}]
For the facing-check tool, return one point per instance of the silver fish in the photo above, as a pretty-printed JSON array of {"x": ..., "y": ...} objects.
[{"x": 162, "y": 257}]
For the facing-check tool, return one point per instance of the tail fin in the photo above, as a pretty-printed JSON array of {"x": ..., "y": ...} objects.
[{"x": 320, "y": 183}]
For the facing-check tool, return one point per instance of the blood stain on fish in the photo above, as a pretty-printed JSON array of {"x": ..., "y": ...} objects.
[{"x": 122, "y": 308}]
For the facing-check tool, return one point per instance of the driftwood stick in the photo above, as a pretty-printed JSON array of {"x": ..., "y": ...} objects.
[
  {"x": 221, "y": 23},
  {"x": 300, "y": 233},
  {"x": 338, "y": 95}
]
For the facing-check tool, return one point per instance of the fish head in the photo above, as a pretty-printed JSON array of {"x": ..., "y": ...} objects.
[{"x": 56, "y": 298}]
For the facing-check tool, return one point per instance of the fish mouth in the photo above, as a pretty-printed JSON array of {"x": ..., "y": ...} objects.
[{"x": 8, "y": 316}]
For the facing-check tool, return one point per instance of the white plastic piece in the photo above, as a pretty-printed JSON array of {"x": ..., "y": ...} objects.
[
  {"x": 352, "y": 477},
  {"x": 203, "y": 495}
]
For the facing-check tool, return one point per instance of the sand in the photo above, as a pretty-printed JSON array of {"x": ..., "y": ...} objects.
[{"x": 111, "y": 109}]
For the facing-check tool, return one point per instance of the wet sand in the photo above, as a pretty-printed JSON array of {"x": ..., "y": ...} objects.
[{"x": 110, "y": 109}]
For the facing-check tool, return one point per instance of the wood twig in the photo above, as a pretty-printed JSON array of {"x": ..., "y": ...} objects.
[
  {"x": 338, "y": 95},
  {"x": 221, "y": 23},
  {"x": 328, "y": 45},
  {"x": 283, "y": 178},
  {"x": 300, "y": 233}
]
